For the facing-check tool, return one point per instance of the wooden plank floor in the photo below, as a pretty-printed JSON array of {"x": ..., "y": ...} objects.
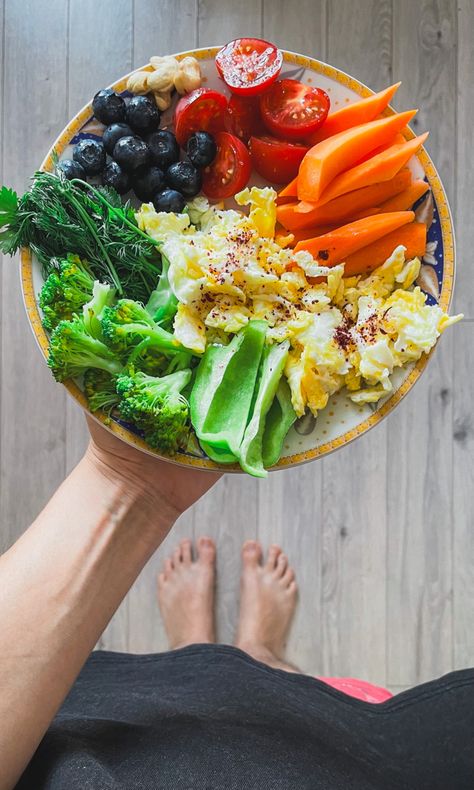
[{"x": 381, "y": 532}]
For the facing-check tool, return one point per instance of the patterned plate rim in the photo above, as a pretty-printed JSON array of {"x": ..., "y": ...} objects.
[{"x": 31, "y": 306}]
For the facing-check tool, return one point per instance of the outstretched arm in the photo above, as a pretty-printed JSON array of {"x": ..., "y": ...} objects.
[{"x": 61, "y": 582}]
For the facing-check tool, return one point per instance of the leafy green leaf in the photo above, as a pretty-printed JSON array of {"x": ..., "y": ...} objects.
[{"x": 8, "y": 205}]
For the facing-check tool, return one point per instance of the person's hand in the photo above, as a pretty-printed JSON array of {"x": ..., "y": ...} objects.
[{"x": 167, "y": 487}]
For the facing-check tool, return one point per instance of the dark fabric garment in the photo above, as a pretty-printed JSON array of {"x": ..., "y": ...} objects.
[{"x": 208, "y": 717}]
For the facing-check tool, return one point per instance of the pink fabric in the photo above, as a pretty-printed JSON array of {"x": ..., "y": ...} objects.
[{"x": 359, "y": 689}]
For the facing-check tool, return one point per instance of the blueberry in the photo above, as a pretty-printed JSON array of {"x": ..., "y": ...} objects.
[
  {"x": 90, "y": 154},
  {"x": 70, "y": 169},
  {"x": 108, "y": 106},
  {"x": 148, "y": 182},
  {"x": 142, "y": 114},
  {"x": 169, "y": 200},
  {"x": 114, "y": 176},
  {"x": 201, "y": 149},
  {"x": 184, "y": 177},
  {"x": 164, "y": 148},
  {"x": 131, "y": 153},
  {"x": 113, "y": 133}
]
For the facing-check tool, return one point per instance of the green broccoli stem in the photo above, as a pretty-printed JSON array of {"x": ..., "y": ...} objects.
[{"x": 154, "y": 337}]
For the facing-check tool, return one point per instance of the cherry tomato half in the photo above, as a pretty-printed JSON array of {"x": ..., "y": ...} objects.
[
  {"x": 249, "y": 65},
  {"x": 201, "y": 110},
  {"x": 292, "y": 110},
  {"x": 243, "y": 118},
  {"x": 230, "y": 170},
  {"x": 276, "y": 160}
]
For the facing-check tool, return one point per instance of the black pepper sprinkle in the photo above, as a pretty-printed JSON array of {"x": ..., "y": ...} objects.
[{"x": 323, "y": 254}]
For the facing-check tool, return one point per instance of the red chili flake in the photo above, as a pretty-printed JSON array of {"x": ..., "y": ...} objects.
[
  {"x": 343, "y": 334},
  {"x": 368, "y": 330}
]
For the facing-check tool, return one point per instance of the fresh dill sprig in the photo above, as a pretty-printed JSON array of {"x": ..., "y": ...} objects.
[{"x": 56, "y": 217}]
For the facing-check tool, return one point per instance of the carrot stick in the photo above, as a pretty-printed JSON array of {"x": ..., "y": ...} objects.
[
  {"x": 290, "y": 189},
  {"x": 381, "y": 167},
  {"x": 399, "y": 139},
  {"x": 345, "y": 206},
  {"x": 365, "y": 260},
  {"x": 405, "y": 200},
  {"x": 334, "y": 247},
  {"x": 308, "y": 233},
  {"x": 326, "y": 160},
  {"x": 354, "y": 114}
]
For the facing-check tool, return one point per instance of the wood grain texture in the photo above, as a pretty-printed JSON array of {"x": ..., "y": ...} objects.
[
  {"x": 419, "y": 496},
  {"x": 163, "y": 27},
  {"x": 290, "y": 514},
  {"x": 464, "y": 297},
  {"x": 360, "y": 39},
  {"x": 463, "y": 487},
  {"x": 32, "y": 422},
  {"x": 220, "y": 22},
  {"x": 308, "y": 38}
]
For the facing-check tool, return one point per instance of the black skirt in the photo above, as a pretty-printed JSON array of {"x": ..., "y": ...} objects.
[{"x": 209, "y": 716}]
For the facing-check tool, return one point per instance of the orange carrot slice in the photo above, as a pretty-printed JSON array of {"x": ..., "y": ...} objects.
[
  {"x": 354, "y": 114},
  {"x": 334, "y": 247},
  {"x": 308, "y": 233},
  {"x": 290, "y": 190},
  {"x": 365, "y": 260},
  {"x": 399, "y": 139},
  {"x": 345, "y": 206},
  {"x": 326, "y": 160},
  {"x": 405, "y": 200},
  {"x": 381, "y": 167}
]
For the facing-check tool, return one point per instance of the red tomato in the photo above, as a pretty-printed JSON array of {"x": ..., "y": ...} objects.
[
  {"x": 230, "y": 170},
  {"x": 292, "y": 110},
  {"x": 276, "y": 160},
  {"x": 201, "y": 110},
  {"x": 249, "y": 65},
  {"x": 243, "y": 117}
]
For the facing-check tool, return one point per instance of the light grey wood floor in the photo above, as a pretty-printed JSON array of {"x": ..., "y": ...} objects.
[{"x": 381, "y": 532}]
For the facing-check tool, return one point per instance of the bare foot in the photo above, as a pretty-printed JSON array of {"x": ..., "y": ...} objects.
[
  {"x": 186, "y": 594},
  {"x": 267, "y": 604}
]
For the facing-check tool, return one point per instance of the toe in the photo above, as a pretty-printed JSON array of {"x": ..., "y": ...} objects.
[
  {"x": 169, "y": 567},
  {"x": 177, "y": 556},
  {"x": 186, "y": 551},
  {"x": 282, "y": 564},
  {"x": 161, "y": 580},
  {"x": 206, "y": 550},
  {"x": 251, "y": 553},
  {"x": 273, "y": 554},
  {"x": 288, "y": 577},
  {"x": 292, "y": 588}
]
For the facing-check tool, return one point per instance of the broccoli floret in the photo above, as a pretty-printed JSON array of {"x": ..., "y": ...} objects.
[
  {"x": 100, "y": 388},
  {"x": 128, "y": 323},
  {"x": 157, "y": 407},
  {"x": 149, "y": 359},
  {"x": 65, "y": 291},
  {"x": 72, "y": 349}
]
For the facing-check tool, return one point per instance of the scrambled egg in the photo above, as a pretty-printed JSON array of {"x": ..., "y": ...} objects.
[{"x": 226, "y": 267}]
